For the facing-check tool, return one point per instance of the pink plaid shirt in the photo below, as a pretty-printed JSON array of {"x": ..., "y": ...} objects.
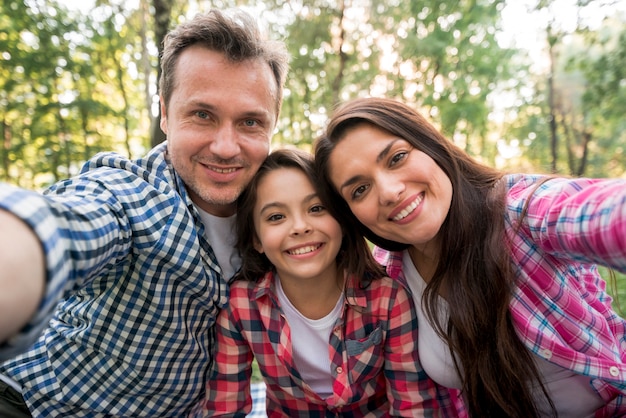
[
  {"x": 372, "y": 349},
  {"x": 560, "y": 308}
]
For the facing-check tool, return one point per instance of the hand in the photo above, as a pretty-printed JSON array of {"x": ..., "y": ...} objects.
[{"x": 22, "y": 274}]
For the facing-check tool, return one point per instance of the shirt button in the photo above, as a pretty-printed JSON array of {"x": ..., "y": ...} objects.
[
  {"x": 545, "y": 353},
  {"x": 339, "y": 370},
  {"x": 614, "y": 371}
]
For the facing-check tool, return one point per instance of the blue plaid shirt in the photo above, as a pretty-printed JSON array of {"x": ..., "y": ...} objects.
[{"x": 133, "y": 289}]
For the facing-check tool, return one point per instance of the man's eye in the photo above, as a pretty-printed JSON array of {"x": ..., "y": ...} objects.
[
  {"x": 202, "y": 115},
  {"x": 250, "y": 123}
]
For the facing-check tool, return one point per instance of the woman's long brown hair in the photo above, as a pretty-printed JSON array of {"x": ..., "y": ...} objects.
[{"x": 474, "y": 267}]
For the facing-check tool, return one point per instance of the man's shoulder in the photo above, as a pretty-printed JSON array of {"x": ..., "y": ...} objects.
[{"x": 153, "y": 162}]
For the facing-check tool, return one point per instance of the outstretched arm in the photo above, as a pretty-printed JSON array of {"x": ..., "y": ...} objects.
[{"x": 22, "y": 274}]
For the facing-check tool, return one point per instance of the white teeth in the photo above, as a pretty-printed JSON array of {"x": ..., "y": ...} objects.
[
  {"x": 304, "y": 250},
  {"x": 224, "y": 170},
  {"x": 406, "y": 211}
]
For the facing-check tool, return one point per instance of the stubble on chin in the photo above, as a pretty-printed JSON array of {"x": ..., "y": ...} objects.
[{"x": 218, "y": 200}]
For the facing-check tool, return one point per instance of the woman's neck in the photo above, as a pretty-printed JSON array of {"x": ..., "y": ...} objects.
[{"x": 425, "y": 259}]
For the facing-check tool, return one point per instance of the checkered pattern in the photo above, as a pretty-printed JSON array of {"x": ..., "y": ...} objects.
[
  {"x": 138, "y": 290},
  {"x": 560, "y": 307},
  {"x": 257, "y": 392},
  {"x": 373, "y": 352}
]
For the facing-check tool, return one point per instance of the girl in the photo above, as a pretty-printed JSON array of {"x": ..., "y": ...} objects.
[
  {"x": 511, "y": 308},
  {"x": 331, "y": 335}
]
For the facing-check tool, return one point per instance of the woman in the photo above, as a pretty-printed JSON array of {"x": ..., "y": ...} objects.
[{"x": 511, "y": 308}]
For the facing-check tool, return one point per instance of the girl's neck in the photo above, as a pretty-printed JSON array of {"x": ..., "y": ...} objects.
[{"x": 314, "y": 298}]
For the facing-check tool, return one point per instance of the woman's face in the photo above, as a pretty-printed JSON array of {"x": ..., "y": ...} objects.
[{"x": 397, "y": 191}]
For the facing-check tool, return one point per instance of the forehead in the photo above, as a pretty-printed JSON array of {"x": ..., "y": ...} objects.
[
  {"x": 200, "y": 71},
  {"x": 361, "y": 142},
  {"x": 284, "y": 184}
]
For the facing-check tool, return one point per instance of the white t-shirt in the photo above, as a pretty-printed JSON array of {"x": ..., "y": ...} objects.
[
  {"x": 572, "y": 394},
  {"x": 220, "y": 232},
  {"x": 310, "y": 343}
]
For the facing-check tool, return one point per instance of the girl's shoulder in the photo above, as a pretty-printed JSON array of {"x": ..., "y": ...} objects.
[
  {"x": 251, "y": 289},
  {"x": 380, "y": 287}
]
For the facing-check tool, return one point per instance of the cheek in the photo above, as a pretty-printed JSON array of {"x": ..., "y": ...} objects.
[
  {"x": 363, "y": 213},
  {"x": 335, "y": 230},
  {"x": 256, "y": 151}
]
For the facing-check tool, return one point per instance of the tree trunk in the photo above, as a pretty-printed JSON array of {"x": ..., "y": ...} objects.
[
  {"x": 162, "y": 16},
  {"x": 551, "y": 105}
]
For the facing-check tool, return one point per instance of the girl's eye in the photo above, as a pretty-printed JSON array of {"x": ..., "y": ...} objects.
[
  {"x": 397, "y": 157},
  {"x": 317, "y": 208},
  {"x": 275, "y": 217}
]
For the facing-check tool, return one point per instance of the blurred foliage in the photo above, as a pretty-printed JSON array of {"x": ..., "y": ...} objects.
[
  {"x": 616, "y": 287},
  {"x": 77, "y": 81}
]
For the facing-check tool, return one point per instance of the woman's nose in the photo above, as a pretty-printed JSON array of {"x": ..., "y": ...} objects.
[{"x": 390, "y": 191}]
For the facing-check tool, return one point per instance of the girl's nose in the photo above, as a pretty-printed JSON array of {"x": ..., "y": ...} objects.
[{"x": 300, "y": 227}]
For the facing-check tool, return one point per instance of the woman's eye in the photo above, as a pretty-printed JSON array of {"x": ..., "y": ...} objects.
[
  {"x": 358, "y": 192},
  {"x": 397, "y": 157}
]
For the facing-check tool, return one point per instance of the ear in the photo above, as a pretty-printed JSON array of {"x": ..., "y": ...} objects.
[
  {"x": 163, "y": 121},
  {"x": 257, "y": 245}
]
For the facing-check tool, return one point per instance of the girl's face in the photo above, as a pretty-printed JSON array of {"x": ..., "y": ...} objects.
[
  {"x": 293, "y": 228},
  {"x": 397, "y": 191}
]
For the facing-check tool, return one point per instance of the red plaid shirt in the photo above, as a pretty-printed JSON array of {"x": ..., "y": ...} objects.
[{"x": 372, "y": 348}]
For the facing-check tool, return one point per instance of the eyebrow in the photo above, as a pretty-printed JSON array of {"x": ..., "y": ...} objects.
[
  {"x": 381, "y": 156},
  {"x": 281, "y": 205}
]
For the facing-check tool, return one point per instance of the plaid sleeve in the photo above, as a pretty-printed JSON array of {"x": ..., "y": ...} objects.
[
  {"x": 410, "y": 391},
  {"x": 579, "y": 219},
  {"x": 228, "y": 386}
]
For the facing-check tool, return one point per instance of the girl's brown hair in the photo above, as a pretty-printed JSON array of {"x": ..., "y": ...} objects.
[
  {"x": 474, "y": 266},
  {"x": 354, "y": 255}
]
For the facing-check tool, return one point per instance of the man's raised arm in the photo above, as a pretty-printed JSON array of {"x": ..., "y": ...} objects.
[{"x": 22, "y": 274}]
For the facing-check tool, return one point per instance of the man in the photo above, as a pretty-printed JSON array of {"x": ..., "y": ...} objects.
[{"x": 110, "y": 283}]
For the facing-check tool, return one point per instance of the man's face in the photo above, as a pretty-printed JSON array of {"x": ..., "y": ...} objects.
[{"x": 218, "y": 123}]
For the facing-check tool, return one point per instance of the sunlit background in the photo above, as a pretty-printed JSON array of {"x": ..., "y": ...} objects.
[{"x": 531, "y": 85}]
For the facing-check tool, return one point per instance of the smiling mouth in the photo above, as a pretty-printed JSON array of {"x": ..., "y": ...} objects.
[
  {"x": 409, "y": 209},
  {"x": 304, "y": 250},
  {"x": 223, "y": 170}
]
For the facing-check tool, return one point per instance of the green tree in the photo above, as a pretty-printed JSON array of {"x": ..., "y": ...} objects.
[{"x": 572, "y": 122}]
